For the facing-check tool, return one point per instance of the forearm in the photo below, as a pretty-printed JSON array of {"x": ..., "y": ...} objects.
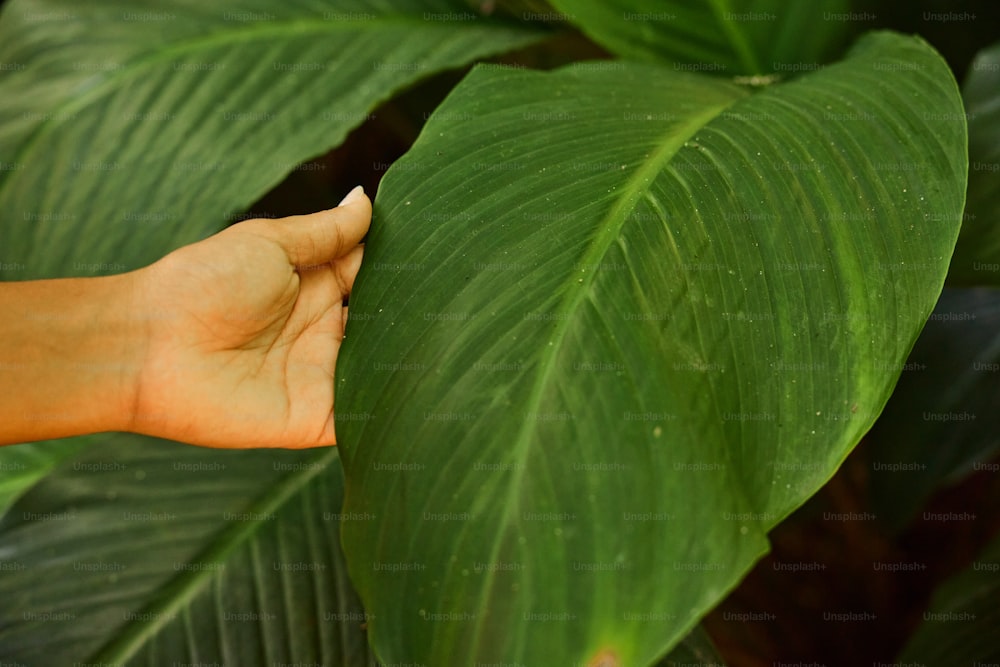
[{"x": 70, "y": 352}]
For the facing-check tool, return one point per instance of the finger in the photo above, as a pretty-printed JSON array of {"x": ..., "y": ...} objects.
[
  {"x": 346, "y": 269},
  {"x": 318, "y": 238}
]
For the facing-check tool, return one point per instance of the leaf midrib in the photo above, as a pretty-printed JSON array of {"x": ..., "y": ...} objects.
[
  {"x": 610, "y": 229},
  {"x": 236, "y": 35},
  {"x": 737, "y": 39},
  {"x": 178, "y": 591}
]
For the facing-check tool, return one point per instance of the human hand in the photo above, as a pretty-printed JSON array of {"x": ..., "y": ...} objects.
[{"x": 244, "y": 328}]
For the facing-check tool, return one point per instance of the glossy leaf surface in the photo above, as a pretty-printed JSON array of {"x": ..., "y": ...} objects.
[{"x": 613, "y": 325}]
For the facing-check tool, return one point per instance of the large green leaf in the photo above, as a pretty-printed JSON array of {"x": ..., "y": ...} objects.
[
  {"x": 613, "y": 325},
  {"x": 728, "y": 36},
  {"x": 22, "y": 467},
  {"x": 943, "y": 420},
  {"x": 977, "y": 255},
  {"x": 129, "y": 128},
  {"x": 153, "y": 553},
  {"x": 960, "y": 624}
]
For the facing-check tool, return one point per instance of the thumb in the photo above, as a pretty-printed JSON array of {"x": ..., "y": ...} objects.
[{"x": 324, "y": 236}]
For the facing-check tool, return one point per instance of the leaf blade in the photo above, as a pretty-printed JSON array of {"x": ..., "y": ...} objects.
[
  {"x": 734, "y": 38},
  {"x": 977, "y": 256},
  {"x": 669, "y": 376},
  {"x": 141, "y": 551},
  {"x": 166, "y": 125}
]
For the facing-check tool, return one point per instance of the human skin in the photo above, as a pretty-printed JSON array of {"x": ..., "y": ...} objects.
[{"x": 229, "y": 342}]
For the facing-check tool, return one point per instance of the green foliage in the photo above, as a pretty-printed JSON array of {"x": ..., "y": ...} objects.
[
  {"x": 942, "y": 421},
  {"x": 575, "y": 241},
  {"x": 150, "y": 552},
  {"x": 723, "y": 36},
  {"x": 166, "y": 119},
  {"x": 615, "y": 321},
  {"x": 959, "y": 626},
  {"x": 977, "y": 257}
]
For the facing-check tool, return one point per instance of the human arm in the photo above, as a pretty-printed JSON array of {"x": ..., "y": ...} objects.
[{"x": 228, "y": 342}]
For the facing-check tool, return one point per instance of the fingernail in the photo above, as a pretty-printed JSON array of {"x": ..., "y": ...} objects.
[{"x": 352, "y": 196}]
